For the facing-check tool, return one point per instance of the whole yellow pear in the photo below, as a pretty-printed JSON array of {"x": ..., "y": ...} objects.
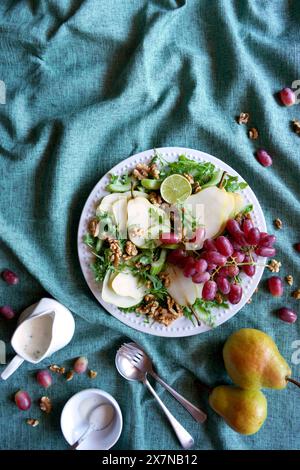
[
  {"x": 243, "y": 410},
  {"x": 253, "y": 361}
]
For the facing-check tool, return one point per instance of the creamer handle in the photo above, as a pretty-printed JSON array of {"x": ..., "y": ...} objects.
[{"x": 12, "y": 367}]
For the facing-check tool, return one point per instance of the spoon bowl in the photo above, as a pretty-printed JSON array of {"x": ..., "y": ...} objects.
[{"x": 126, "y": 369}]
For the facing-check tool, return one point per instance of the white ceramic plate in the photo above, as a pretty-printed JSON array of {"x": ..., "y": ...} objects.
[{"x": 182, "y": 326}]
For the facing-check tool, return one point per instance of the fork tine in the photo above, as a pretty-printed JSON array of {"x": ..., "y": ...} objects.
[
  {"x": 129, "y": 354},
  {"x": 130, "y": 347}
]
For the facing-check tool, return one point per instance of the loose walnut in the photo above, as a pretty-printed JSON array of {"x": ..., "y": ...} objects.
[
  {"x": 154, "y": 171},
  {"x": 57, "y": 369},
  {"x": 92, "y": 374},
  {"x": 70, "y": 375},
  {"x": 243, "y": 118},
  {"x": 296, "y": 126},
  {"x": 189, "y": 178},
  {"x": 289, "y": 279},
  {"x": 274, "y": 266},
  {"x": 296, "y": 294},
  {"x": 278, "y": 223},
  {"x": 46, "y": 404},
  {"x": 253, "y": 133},
  {"x": 33, "y": 422}
]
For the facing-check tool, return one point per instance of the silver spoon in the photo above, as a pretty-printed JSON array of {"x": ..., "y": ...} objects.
[
  {"x": 95, "y": 423},
  {"x": 139, "y": 359},
  {"x": 130, "y": 372}
]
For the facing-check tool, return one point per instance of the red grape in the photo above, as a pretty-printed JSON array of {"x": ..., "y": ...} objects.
[
  {"x": 297, "y": 247},
  {"x": 209, "y": 245},
  {"x": 238, "y": 256},
  {"x": 44, "y": 378},
  {"x": 80, "y": 365},
  {"x": 175, "y": 255},
  {"x": 247, "y": 226},
  {"x": 275, "y": 286},
  {"x": 234, "y": 229},
  {"x": 287, "y": 96},
  {"x": 198, "y": 236},
  {"x": 265, "y": 251},
  {"x": 224, "y": 246},
  {"x": 10, "y": 277},
  {"x": 229, "y": 271},
  {"x": 7, "y": 312},
  {"x": 223, "y": 284},
  {"x": 189, "y": 267},
  {"x": 209, "y": 290},
  {"x": 264, "y": 158},
  {"x": 211, "y": 267},
  {"x": 267, "y": 240},
  {"x": 253, "y": 236},
  {"x": 215, "y": 258},
  {"x": 199, "y": 278},
  {"x": 235, "y": 294},
  {"x": 169, "y": 238},
  {"x": 249, "y": 269},
  {"x": 287, "y": 315},
  {"x": 201, "y": 265},
  {"x": 22, "y": 400}
]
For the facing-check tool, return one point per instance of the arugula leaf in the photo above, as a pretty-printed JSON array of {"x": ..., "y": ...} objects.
[
  {"x": 102, "y": 264},
  {"x": 232, "y": 184},
  {"x": 247, "y": 209},
  {"x": 201, "y": 172},
  {"x": 187, "y": 312},
  {"x": 89, "y": 240},
  {"x": 203, "y": 309},
  {"x": 130, "y": 309}
]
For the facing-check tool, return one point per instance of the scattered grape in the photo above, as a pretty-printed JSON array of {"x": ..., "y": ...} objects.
[
  {"x": 287, "y": 315},
  {"x": 10, "y": 277},
  {"x": 287, "y": 96},
  {"x": 80, "y": 365},
  {"x": 7, "y": 312},
  {"x": 297, "y": 247},
  {"x": 275, "y": 285},
  {"x": 22, "y": 400},
  {"x": 44, "y": 378},
  {"x": 264, "y": 158}
]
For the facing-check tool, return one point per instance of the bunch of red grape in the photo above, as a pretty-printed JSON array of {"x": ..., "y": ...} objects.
[{"x": 220, "y": 261}]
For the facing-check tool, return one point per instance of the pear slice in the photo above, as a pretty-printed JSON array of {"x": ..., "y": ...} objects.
[
  {"x": 183, "y": 290},
  {"x": 230, "y": 206},
  {"x": 119, "y": 210},
  {"x": 138, "y": 220},
  {"x": 209, "y": 208},
  {"x": 127, "y": 285},
  {"x": 239, "y": 203},
  {"x": 111, "y": 297},
  {"x": 107, "y": 202}
]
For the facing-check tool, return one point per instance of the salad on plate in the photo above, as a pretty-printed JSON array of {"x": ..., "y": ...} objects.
[{"x": 173, "y": 239}]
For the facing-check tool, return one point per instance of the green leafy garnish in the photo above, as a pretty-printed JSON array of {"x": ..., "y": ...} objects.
[
  {"x": 202, "y": 309},
  {"x": 247, "y": 209},
  {"x": 201, "y": 172},
  {"x": 119, "y": 184},
  {"x": 232, "y": 184},
  {"x": 89, "y": 240},
  {"x": 102, "y": 264}
]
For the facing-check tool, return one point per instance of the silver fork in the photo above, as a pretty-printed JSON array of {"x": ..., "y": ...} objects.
[{"x": 141, "y": 361}]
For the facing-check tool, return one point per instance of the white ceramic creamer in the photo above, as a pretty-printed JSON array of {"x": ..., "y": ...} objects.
[{"x": 43, "y": 329}]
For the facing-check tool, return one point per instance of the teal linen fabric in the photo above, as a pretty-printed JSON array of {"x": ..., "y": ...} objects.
[{"x": 89, "y": 83}]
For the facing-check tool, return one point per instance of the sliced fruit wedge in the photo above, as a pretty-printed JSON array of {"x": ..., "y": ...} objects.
[
  {"x": 183, "y": 290},
  {"x": 138, "y": 220},
  {"x": 127, "y": 285},
  {"x": 209, "y": 208},
  {"x": 111, "y": 297},
  {"x": 107, "y": 202},
  {"x": 119, "y": 210}
]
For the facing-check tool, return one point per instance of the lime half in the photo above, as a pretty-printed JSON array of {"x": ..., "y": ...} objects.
[{"x": 175, "y": 189}]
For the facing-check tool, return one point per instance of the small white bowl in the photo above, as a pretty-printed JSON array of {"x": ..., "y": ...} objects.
[{"x": 74, "y": 420}]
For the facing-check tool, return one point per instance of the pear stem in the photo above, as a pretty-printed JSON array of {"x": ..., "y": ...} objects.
[
  {"x": 293, "y": 381},
  {"x": 220, "y": 185}
]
